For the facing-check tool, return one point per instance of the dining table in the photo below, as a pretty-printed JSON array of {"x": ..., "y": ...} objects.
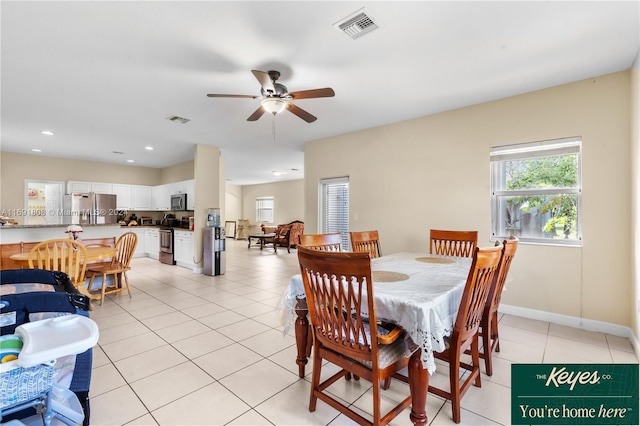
[
  {"x": 419, "y": 292},
  {"x": 93, "y": 254}
]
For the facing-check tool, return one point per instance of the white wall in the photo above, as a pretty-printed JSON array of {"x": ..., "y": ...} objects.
[{"x": 433, "y": 172}]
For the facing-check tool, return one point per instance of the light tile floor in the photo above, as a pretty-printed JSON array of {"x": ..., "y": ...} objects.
[{"x": 191, "y": 349}]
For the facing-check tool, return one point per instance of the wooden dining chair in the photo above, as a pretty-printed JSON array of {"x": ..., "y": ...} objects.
[
  {"x": 336, "y": 287},
  {"x": 322, "y": 242},
  {"x": 366, "y": 242},
  {"x": 489, "y": 324},
  {"x": 118, "y": 267},
  {"x": 484, "y": 267},
  {"x": 61, "y": 254},
  {"x": 453, "y": 243}
]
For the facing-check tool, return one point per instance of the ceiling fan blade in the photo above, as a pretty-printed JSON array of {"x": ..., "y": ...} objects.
[
  {"x": 264, "y": 80},
  {"x": 327, "y": 92},
  {"x": 256, "y": 114},
  {"x": 217, "y": 95},
  {"x": 301, "y": 113}
]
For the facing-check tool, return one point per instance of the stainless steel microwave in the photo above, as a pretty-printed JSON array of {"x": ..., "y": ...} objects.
[{"x": 179, "y": 202}]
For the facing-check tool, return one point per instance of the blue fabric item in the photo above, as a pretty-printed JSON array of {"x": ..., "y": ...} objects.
[{"x": 64, "y": 298}]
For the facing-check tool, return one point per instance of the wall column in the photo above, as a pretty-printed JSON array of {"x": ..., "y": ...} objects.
[{"x": 209, "y": 181}]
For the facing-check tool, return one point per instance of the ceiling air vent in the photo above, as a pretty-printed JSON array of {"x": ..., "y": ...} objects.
[
  {"x": 177, "y": 119},
  {"x": 357, "y": 24}
]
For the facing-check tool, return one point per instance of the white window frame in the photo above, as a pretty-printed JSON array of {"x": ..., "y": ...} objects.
[
  {"x": 264, "y": 209},
  {"x": 339, "y": 224},
  {"x": 550, "y": 148}
]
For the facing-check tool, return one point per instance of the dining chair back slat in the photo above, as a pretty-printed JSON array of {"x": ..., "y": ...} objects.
[
  {"x": 366, "y": 242},
  {"x": 322, "y": 242},
  {"x": 453, "y": 243},
  {"x": 60, "y": 254}
]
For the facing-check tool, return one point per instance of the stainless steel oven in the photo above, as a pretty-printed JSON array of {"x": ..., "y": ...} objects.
[{"x": 166, "y": 246}]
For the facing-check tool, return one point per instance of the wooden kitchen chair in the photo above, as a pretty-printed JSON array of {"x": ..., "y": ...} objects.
[
  {"x": 322, "y": 242},
  {"x": 335, "y": 284},
  {"x": 366, "y": 242},
  {"x": 489, "y": 324},
  {"x": 453, "y": 243},
  {"x": 118, "y": 267},
  {"x": 61, "y": 254},
  {"x": 484, "y": 267}
]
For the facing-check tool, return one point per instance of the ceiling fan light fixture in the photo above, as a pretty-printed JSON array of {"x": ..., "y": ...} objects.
[{"x": 273, "y": 105}]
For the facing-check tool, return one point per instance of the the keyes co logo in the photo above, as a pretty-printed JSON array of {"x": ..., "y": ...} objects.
[
  {"x": 584, "y": 394},
  {"x": 560, "y": 376}
]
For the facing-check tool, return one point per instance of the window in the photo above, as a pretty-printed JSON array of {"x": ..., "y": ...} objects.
[
  {"x": 334, "y": 208},
  {"x": 264, "y": 209},
  {"x": 536, "y": 190}
]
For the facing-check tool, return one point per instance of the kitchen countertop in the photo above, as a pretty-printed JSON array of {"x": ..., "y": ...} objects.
[{"x": 54, "y": 226}]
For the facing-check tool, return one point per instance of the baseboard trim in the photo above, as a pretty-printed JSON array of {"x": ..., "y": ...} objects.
[{"x": 569, "y": 321}]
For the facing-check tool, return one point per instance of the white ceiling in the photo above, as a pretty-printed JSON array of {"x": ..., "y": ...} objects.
[{"x": 104, "y": 76}]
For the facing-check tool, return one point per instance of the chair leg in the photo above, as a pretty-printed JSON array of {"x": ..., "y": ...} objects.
[
  {"x": 496, "y": 338},
  {"x": 454, "y": 383},
  {"x": 104, "y": 288},
  {"x": 126, "y": 282},
  {"x": 475, "y": 359},
  {"x": 487, "y": 344},
  {"x": 315, "y": 378}
]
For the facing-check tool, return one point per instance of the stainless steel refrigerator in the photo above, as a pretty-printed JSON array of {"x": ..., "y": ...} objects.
[
  {"x": 89, "y": 209},
  {"x": 214, "y": 250}
]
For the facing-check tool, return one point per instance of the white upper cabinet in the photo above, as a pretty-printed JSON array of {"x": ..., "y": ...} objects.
[
  {"x": 74, "y": 186},
  {"x": 123, "y": 196},
  {"x": 141, "y": 197},
  {"x": 102, "y": 188},
  {"x": 191, "y": 205},
  {"x": 161, "y": 195}
]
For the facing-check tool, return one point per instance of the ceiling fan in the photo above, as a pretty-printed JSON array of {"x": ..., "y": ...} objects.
[{"x": 275, "y": 97}]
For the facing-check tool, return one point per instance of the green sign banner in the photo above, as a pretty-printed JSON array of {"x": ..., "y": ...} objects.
[{"x": 574, "y": 394}]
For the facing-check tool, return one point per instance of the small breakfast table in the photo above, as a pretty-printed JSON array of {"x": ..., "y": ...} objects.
[
  {"x": 419, "y": 292},
  {"x": 93, "y": 254}
]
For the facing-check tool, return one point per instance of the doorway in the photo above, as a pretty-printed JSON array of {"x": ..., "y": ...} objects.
[{"x": 43, "y": 202}]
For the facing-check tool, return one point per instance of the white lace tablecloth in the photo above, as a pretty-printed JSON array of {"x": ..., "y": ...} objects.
[{"x": 425, "y": 304}]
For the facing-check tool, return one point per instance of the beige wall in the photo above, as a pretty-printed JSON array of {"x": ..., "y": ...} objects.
[
  {"x": 177, "y": 172},
  {"x": 635, "y": 197},
  {"x": 433, "y": 172},
  {"x": 233, "y": 202},
  {"x": 288, "y": 200}
]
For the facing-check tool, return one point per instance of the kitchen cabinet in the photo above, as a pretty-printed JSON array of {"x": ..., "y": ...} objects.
[
  {"x": 132, "y": 197},
  {"x": 141, "y": 197},
  {"x": 140, "y": 247},
  {"x": 191, "y": 205},
  {"x": 152, "y": 243},
  {"x": 183, "y": 248},
  {"x": 78, "y": 186},
  {"x": 123, "y": 194},
  {"x": 102, "y": 188},
  {"x": 161, "y": 195}
]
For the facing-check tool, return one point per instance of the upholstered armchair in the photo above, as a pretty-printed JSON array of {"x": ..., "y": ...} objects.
[{"x": 287, "y": 235}]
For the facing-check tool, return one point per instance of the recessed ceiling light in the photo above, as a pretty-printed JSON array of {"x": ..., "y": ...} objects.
[
  {"x": 148, "y": 148},
  {"x": 36, "y": 150},
  {"x": 278, "y": 173},
  {"x": 47, "y": 132},
  {"x": 130, "y": 161}
]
